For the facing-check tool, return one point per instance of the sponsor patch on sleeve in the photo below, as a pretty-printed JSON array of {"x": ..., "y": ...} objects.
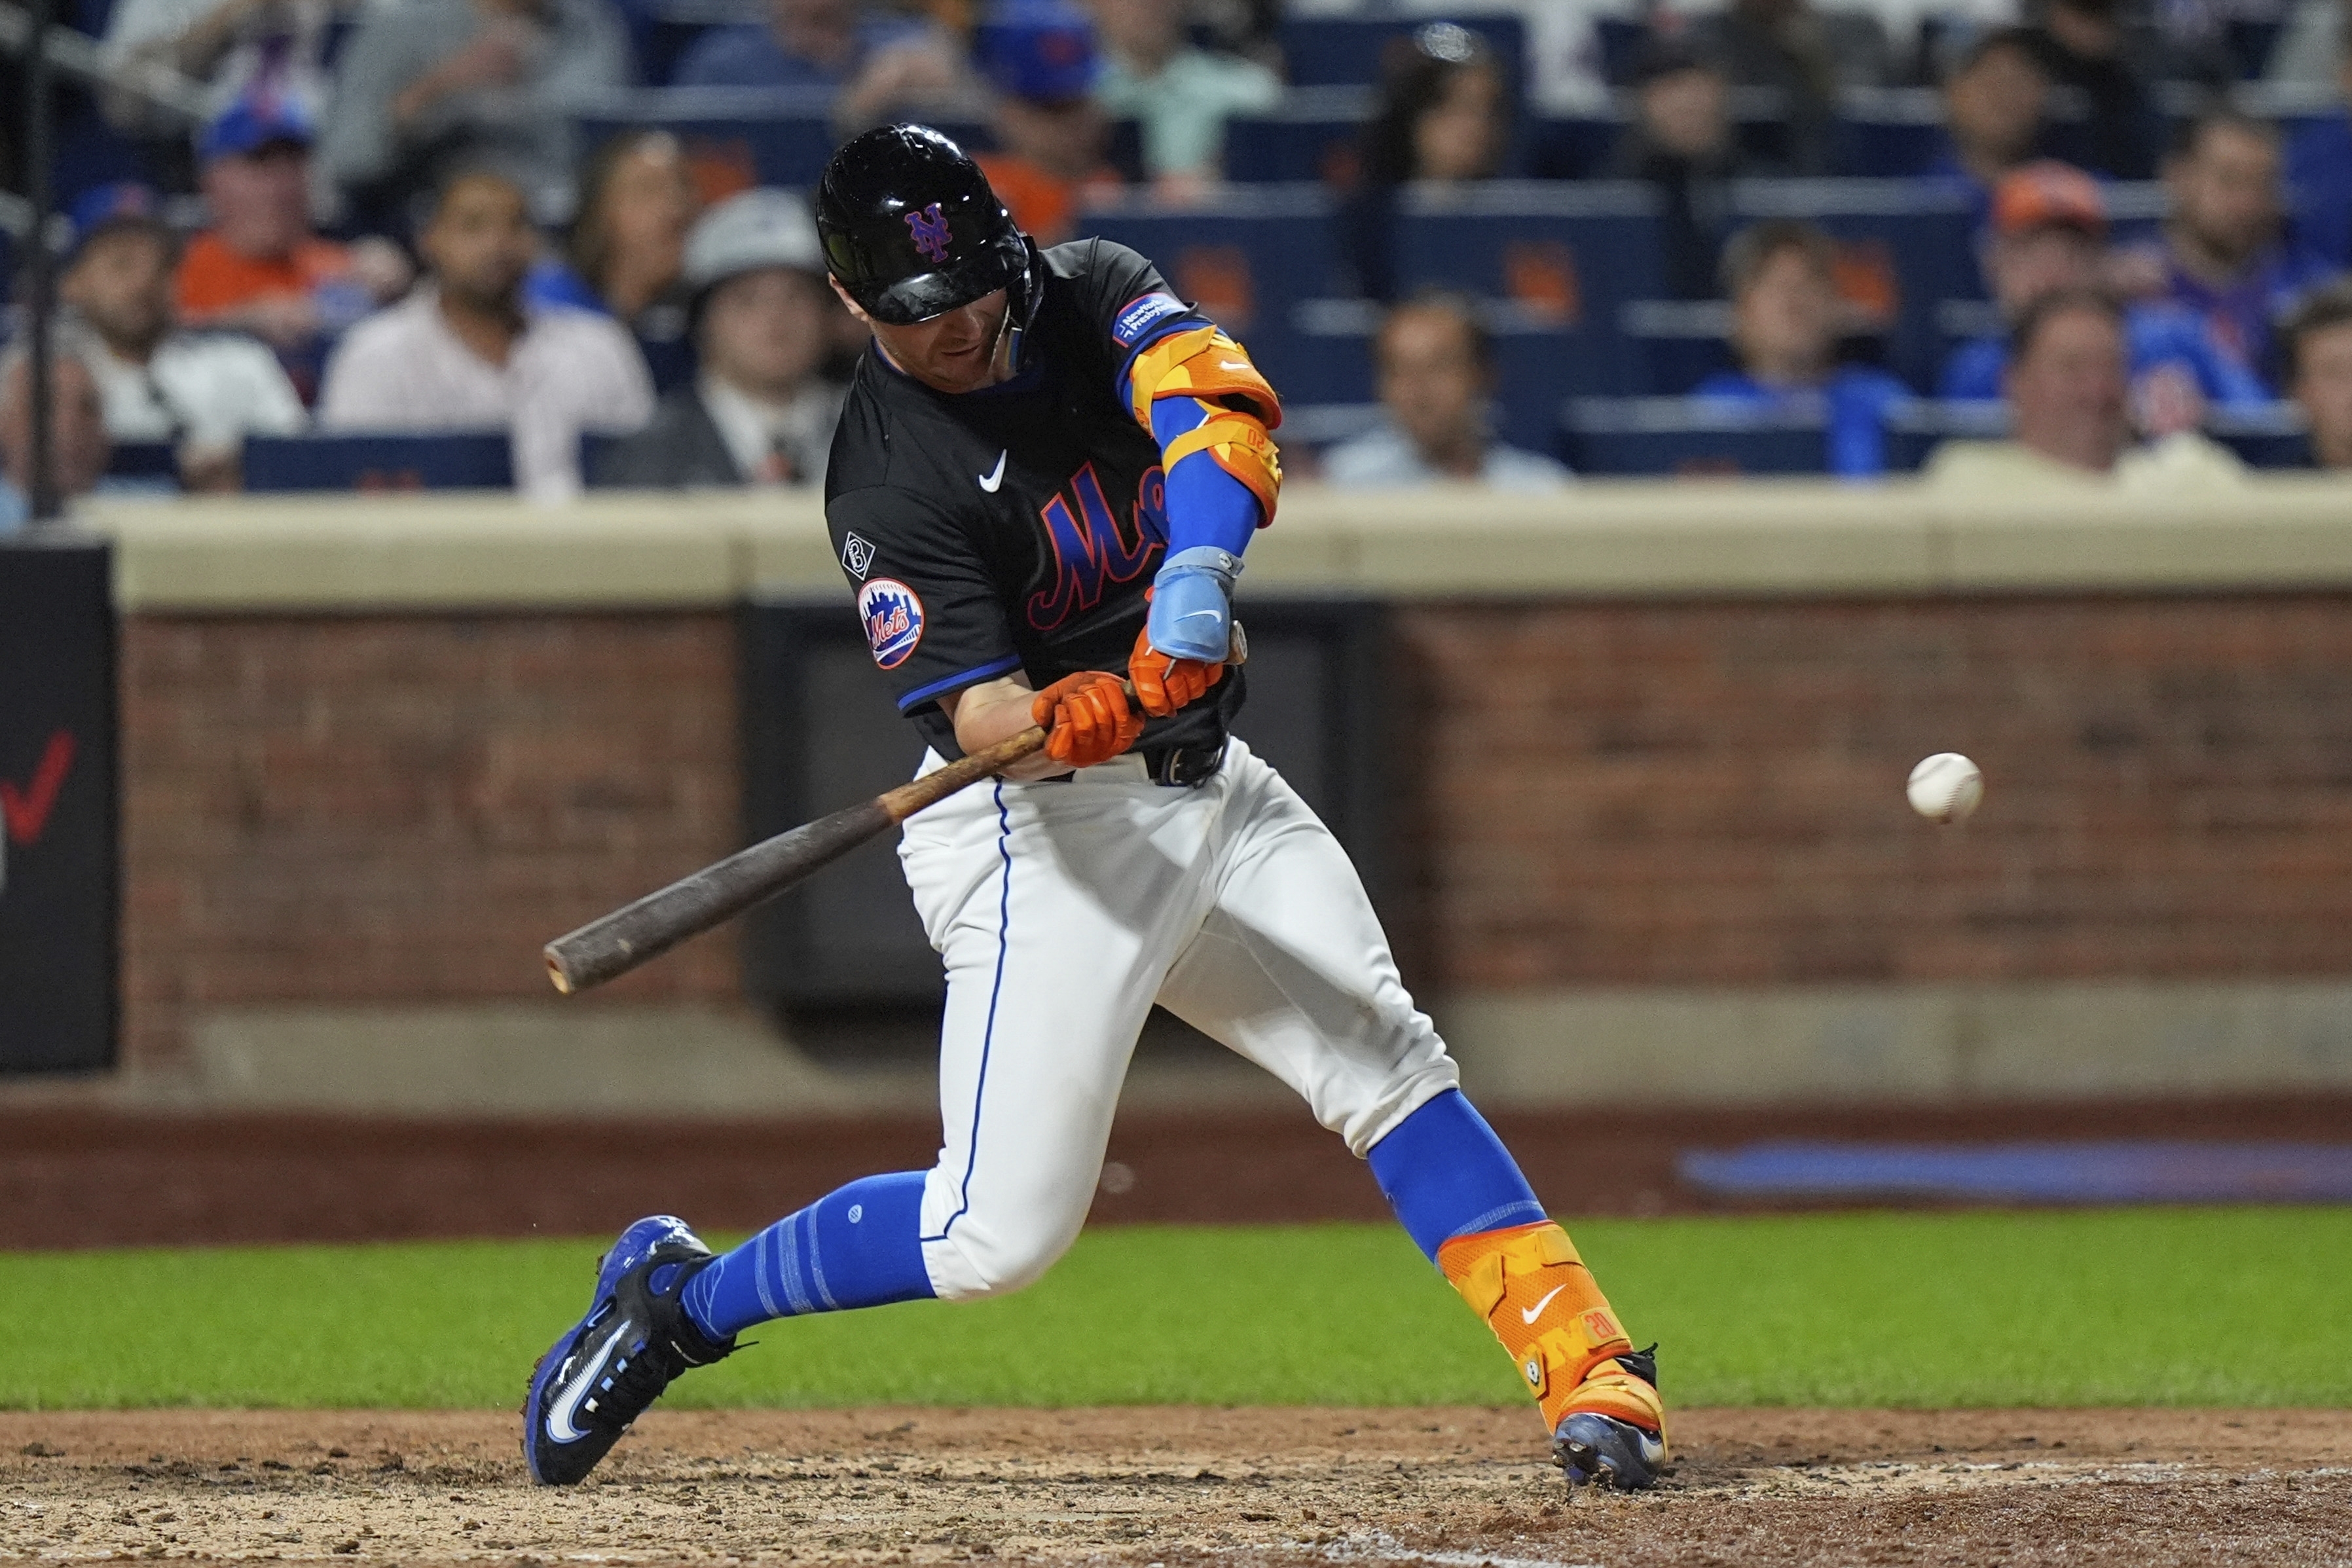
[
  {"x": 893, "y": 614},
  {"x": 1138, "y": 317}
]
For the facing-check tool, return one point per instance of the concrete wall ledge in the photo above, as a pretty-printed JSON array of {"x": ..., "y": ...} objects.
[
  {"x": 1902, "y": 1044},
  {"x": 257, "y": 554}
]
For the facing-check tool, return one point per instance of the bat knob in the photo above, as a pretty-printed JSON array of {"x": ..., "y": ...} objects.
[{"x": 1237, "y": 647}]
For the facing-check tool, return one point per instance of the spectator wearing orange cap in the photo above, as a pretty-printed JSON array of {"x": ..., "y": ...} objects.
[{"x": 2049, "y": 232}]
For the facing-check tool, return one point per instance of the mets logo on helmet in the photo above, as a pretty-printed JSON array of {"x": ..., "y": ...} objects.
[
  {"x": 893, "y": 614},
  {"x": 930, "y": 228}
]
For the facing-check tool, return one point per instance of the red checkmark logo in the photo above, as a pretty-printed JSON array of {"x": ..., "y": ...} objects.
[{"x": 27, "y": 812}]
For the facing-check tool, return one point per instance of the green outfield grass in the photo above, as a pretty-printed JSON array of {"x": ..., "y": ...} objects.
[{"x": 2237, "y": 1306}]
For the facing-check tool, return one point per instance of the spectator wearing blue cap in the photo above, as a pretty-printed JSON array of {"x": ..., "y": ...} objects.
[
  {"x": 1182, "y": 96},
  {"x": 1040, "y": 57},
  {"x": 426, "y": 87},
  {"x": 261, "y": 267},
  {"x": 202, "y": 392},
  {"x": 1785, "y": 328},
  {"x": 757, "y": 411},
  {"x": 873, "y": 63}
]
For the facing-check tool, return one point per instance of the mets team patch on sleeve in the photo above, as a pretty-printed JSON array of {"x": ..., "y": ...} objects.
[
  {"x": 893, "y": 614},
  {"x": 1137, "y": 317}
]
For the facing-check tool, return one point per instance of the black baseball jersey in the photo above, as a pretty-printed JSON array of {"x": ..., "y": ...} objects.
[{"x": 1015, "y": 528}]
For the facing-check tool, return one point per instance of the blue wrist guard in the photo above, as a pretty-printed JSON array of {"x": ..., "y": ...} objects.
[{"x": 1191, "y": 613}]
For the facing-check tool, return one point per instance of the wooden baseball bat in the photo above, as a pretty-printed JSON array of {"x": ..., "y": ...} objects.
[{"x": 637, "y": 933}]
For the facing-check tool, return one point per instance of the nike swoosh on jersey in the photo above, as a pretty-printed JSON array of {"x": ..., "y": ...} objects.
[
  {"x": 1529, "y": 1314},
  {"x": 1231, "y": 365},
  {"x": 559, "y": 1425},
  {"x": 990, "y": 481}
]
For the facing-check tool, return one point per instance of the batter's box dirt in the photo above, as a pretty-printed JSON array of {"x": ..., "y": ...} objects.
[{"x": 1180, "y": 1488}]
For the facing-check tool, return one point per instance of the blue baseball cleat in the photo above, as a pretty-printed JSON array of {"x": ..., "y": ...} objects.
[
  {"x": 609, "y": 1366},
  {"x": 1596, "y": 1449}
]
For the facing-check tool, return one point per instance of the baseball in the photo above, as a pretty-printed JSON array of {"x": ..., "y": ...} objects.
[{"x": 1946, "y": 787}]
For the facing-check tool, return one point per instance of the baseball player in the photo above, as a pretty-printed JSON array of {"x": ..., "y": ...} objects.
[{"x": 1045, "y": 477}]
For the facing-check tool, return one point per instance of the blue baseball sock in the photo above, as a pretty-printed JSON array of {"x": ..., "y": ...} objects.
[
  {"x": 1447, "y": 1175},
  {"x": 855, "y": 1247}
]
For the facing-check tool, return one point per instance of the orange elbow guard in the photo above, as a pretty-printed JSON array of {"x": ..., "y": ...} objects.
[{"x": 1205, "y": 364}]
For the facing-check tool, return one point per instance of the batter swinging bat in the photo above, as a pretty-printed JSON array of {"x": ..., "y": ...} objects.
[{"x": 637, "y": 932}]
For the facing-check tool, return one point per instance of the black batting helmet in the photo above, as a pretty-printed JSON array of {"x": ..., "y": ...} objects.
[{"x": 910, "y": 226}]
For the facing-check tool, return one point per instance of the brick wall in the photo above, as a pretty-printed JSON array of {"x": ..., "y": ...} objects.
[
  {"x": 356, "y": 807},
  {"x": 359, "y": 807},
  {"x": 1700, "y": 794}
]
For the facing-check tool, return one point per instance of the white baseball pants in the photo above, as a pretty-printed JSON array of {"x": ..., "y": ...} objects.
[{"x": 1064, "y": 910}]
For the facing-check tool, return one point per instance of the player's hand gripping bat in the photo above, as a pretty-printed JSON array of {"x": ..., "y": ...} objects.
[{"x": 637, "y": 933}]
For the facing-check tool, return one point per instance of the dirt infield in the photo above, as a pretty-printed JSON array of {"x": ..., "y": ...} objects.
[
  {"x": 109, "y": 1179},
  {"x": 1146, "y": 1486}
]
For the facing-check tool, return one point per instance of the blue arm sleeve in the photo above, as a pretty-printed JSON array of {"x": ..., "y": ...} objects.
[{"x": 1206, "y": 505}]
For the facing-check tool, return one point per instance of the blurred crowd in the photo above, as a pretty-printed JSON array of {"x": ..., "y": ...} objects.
[{"x": 392, "y": 217}]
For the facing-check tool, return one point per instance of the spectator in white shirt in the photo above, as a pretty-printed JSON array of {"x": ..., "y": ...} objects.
[
  {"x": 758, "y": 413},
  {"x": 1437, "y": 379},
  {"x": 465, "y": 352},
  {"x": 202, "y": 391}
]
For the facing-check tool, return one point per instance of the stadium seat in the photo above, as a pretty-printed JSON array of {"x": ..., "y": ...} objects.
[
  {"x": 144, "y": 460},
  {"x": 1904, "y": 246},
  {"x": 1677, "y": 343},
  {"x": 1312, "y": 136},
  {"x": 2272, "y": 435},
  {"x": 1565, "y": 258},
  {"x": 1689, "y": 438},
  {"x": 1249, "y": 255},
  {"x": 440, "y": 460},
  {"x": 1916, "y": 430},
  {"x": 735, "y": 138},
  {"x": 1339, "y": 51},
  {"x": 1886, "y": 132}
]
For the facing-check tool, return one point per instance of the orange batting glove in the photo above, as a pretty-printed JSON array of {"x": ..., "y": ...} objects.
[
  {"x": 1086, "y": 718},
  {"x": 1164, "y": 682}
]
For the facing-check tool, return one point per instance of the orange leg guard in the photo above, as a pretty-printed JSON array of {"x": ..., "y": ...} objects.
[{"x": 1540, "y": 1299}]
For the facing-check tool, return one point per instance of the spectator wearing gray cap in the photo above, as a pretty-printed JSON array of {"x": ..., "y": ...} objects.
[{"x": 756, "y": 413}]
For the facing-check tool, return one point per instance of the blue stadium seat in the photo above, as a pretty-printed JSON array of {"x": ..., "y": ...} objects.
[
  {"x": 1332, "y": 51},
  {"x": 1690, "y": 437},
  {"x": 2273, "y": 435},
  {"x": 1886, "y": 132},
  {"x": 1312, "y": 136},
  {"x": 1678, "y": 343},
  {"x": 1909, "y": 244},
  {"x": 1914, "y": 433},
  {"x": 1577, "y": 148},
  {"x": 736, "y": 137},
  {"x": 1249, "y": 256},
  {"x": 1566, "y": 257},
  {"x": 144, "y": 460},
  {"x": 440, "y": 460}
]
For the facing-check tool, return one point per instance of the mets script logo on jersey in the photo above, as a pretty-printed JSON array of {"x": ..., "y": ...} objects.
[
  {"x": 893, "y": 614},
  {"x": 1137, "y": 317},
  {"x": 1090, "y": 547},
  {"x": 930, "y": 231}
]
